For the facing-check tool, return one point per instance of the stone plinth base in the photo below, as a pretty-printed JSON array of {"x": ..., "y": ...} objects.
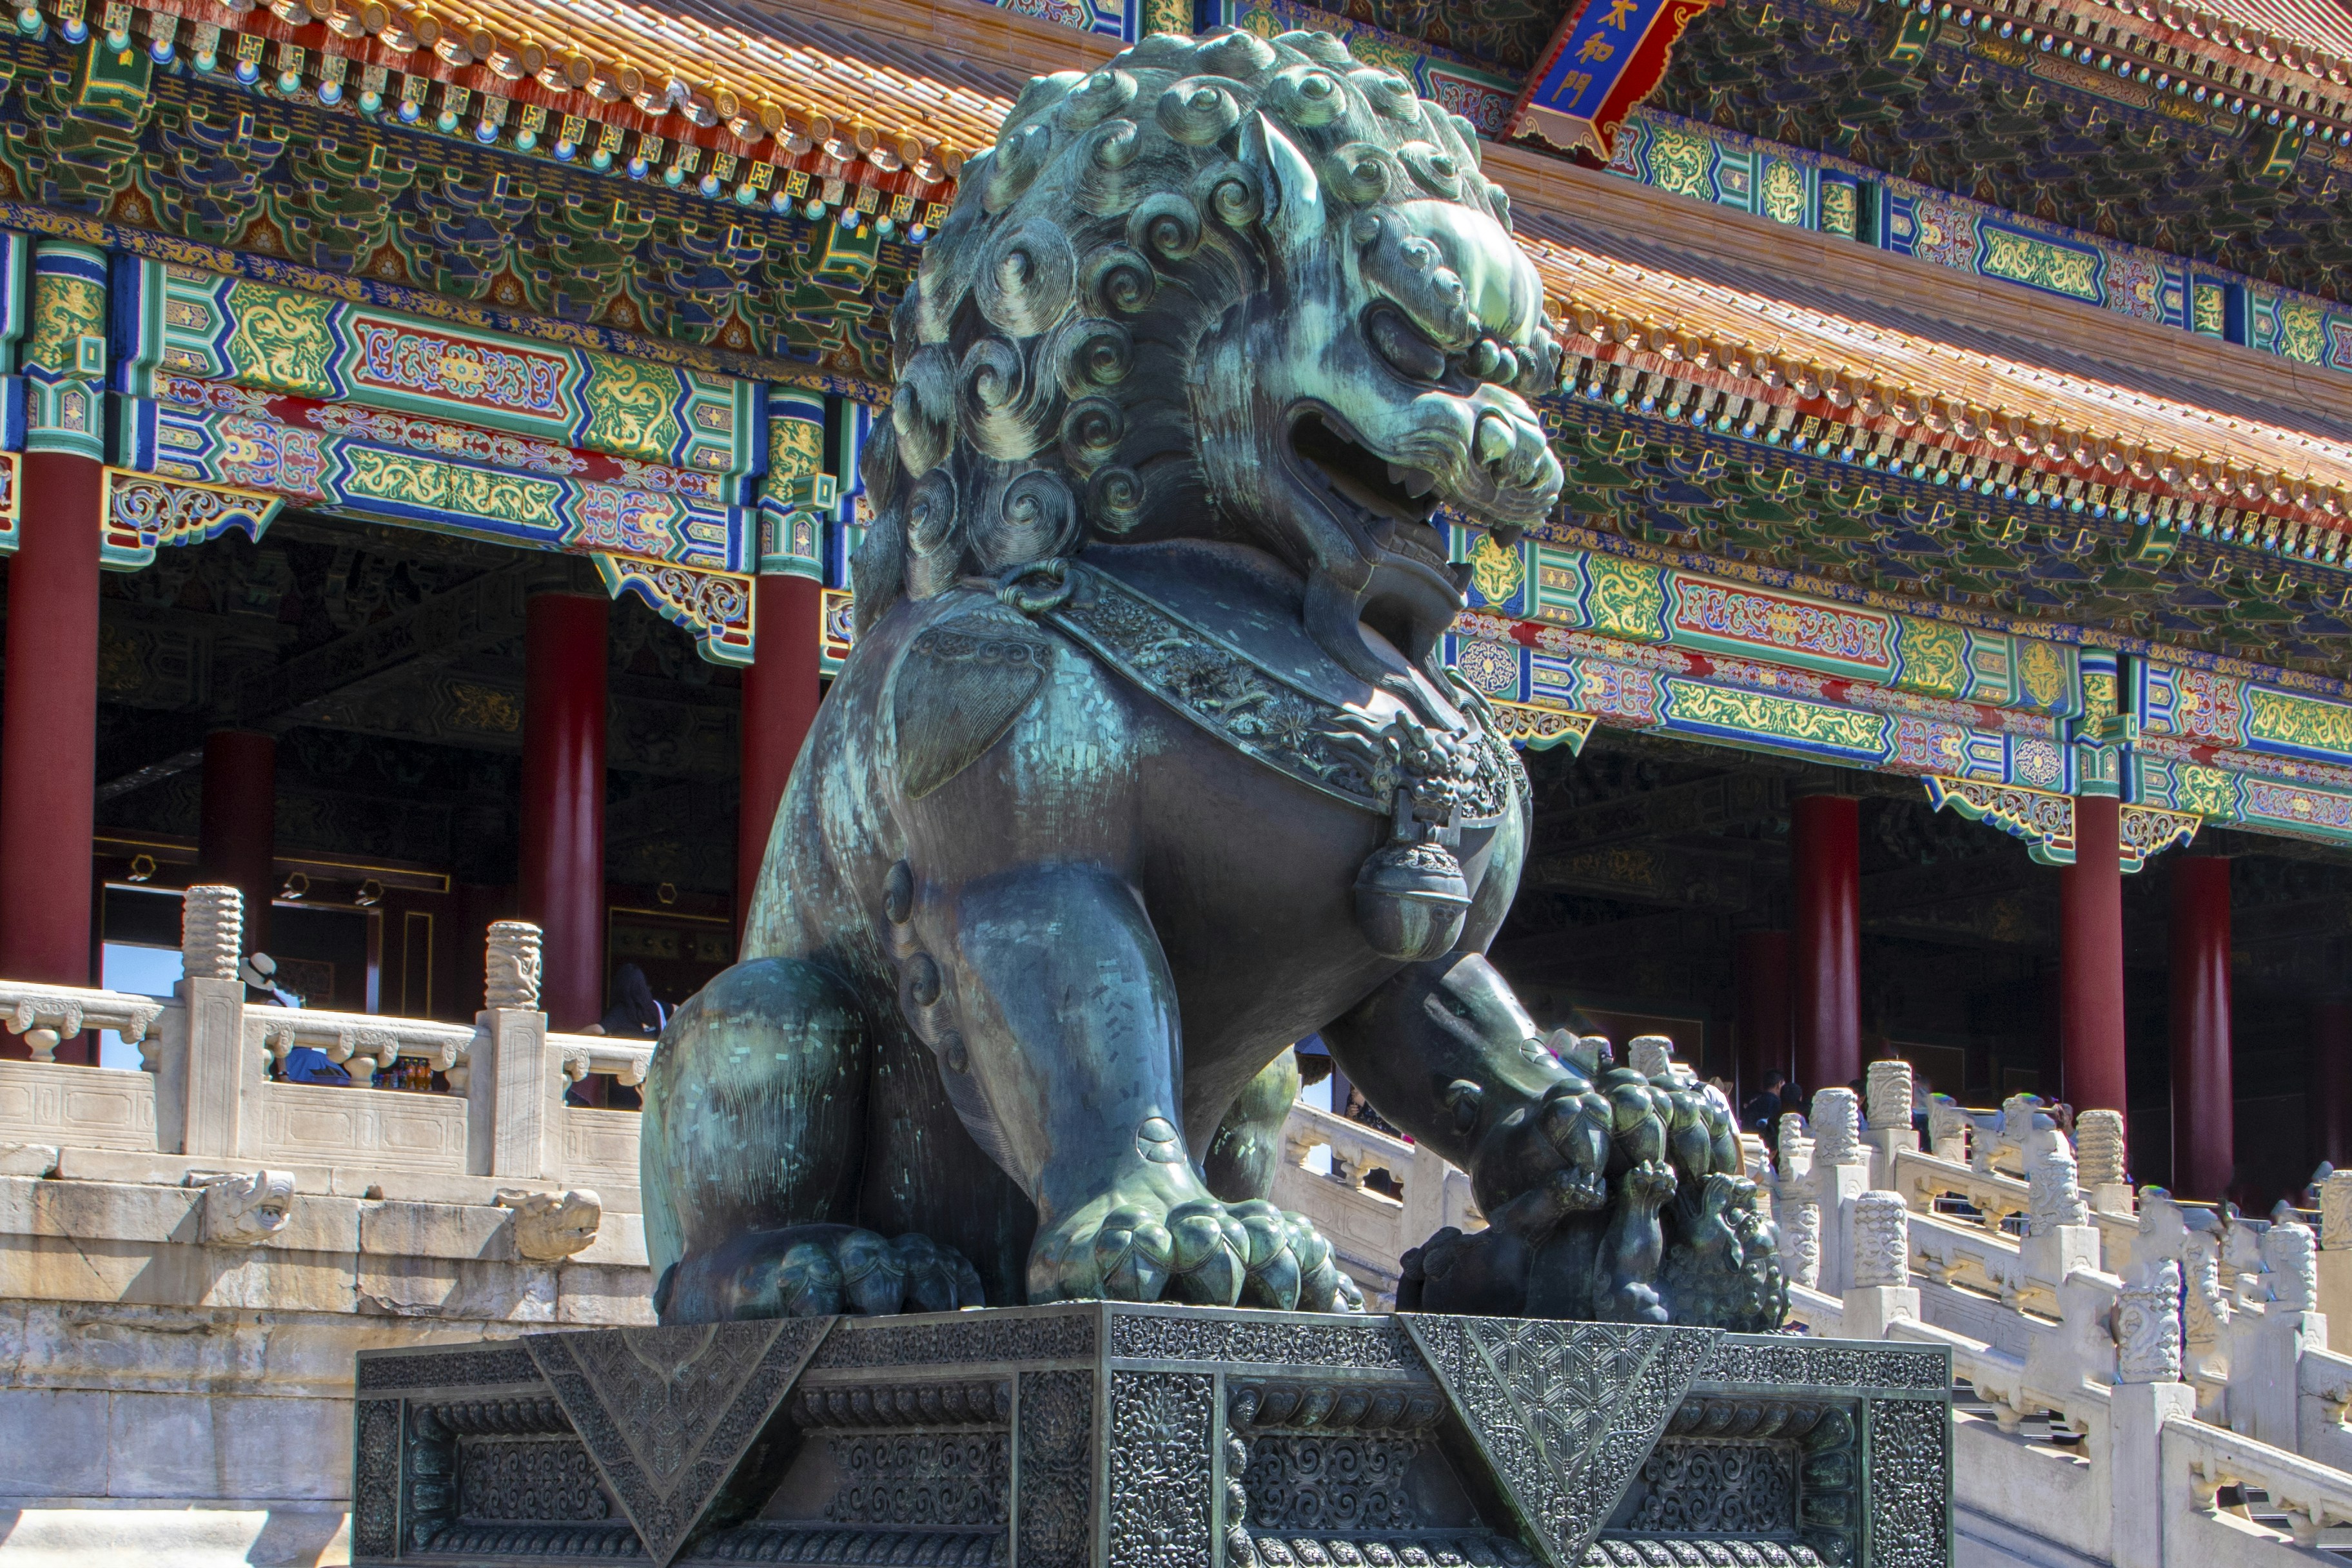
[
  {"x": 107, "y": 1533},
  {"x": 1156, "y": 1436}
]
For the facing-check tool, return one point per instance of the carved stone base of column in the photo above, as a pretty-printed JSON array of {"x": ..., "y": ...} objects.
[{"x": 1157, "y": 1437}]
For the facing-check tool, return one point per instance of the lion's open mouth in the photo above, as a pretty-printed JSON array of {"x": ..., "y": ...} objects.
[{"x": 1395, "y": 502}]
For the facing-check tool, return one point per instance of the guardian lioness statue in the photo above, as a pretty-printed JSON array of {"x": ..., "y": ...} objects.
[{"x": 1146, "y": 763}]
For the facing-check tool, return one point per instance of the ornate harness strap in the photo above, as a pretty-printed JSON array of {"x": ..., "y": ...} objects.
[
  {"x": 1347, "y": 753},
  {"x": 1410, "y": 895}
]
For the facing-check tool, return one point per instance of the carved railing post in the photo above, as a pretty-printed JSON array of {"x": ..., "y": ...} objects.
[
  {"x": 1886, "y": 1092},
  {"x": 2268, "y": 1341},
  {"x": 2192, "y": 1238},
  {"x": 2334, "y": 1260},
  {"x": 203, "y": 1072},
  {"x": 512, "y": 968},
  {"x": 1797, "y": 1205},
  {"x": 1947, "y": 1129},
  {"x": 2058, "y": 1234},
  {"x": 2099, "y": 1151},
  {"x": 1841, "y": 1175},
  {"x": 2149, "y": 1392},
  {"x": 515, "y": 1098},
  {"x": 2147, "y": 1326},
  {"x": 1881, "y": 1292}
]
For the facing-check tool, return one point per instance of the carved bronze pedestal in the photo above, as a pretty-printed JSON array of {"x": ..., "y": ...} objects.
[{"x": 1156, "y": 1438}]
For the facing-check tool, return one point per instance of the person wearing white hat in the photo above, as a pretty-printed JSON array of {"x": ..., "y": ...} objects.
[{"x": 303, "y": 1064}]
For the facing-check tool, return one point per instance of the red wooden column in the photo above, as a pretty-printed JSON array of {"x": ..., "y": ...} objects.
[
  {"x": 780, "y": 698},
  {"x": 236, "y": 823},
  {"x": 1759, "y": 972},
  {"x": 49, "y": 725},
  {"x": 563, "y": 801},
  {"x": 1826, "y": 849},
  {"x": 2204, "y": 1150},
  {"x": 2331, "y": 1090},
  {"x": 2091, "y": 960}
]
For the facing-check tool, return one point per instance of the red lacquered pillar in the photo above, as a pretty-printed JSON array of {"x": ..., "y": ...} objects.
[
  {"x": 49, "y": 725},
  {"x": 780, "y": 698},
  {"x": 1825, "y": 846},
  {"x": 1760, "y": 970},
  {"x": 2204, "y": 1151},
  {"x": 2091, "y": 961},
  {"x": 236, "y": 823},
  {"x": 563, "y": 801},
  {"x": 2331, "y": 1090}
]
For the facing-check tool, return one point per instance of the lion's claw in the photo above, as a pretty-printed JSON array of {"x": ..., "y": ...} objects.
[
  {"x": 816, "y": 1270},
  {"x": 1651, "y": 1183},
  {"x": 1204, "y": 1252},
  {"x": 1131, "y": 1254},
  {"x": 1581, "y": 1191}
]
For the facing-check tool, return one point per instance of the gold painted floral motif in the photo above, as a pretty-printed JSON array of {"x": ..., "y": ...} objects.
[
  {"x": 2041, "y": 263},
  {"x": 2305, "y": 723},
  {"x": 2043, "y": 818},
  {"x": 1496, "y": 573},
  {"x": 470, "y": 492},
  {"x": 1935, "y": 658},
  {"x": 1770, "y": 718},
  {"x": 632, "y": 406},
  {"x": 283, "y": 341},
  {"x": 2042, "y": 671},
  {"x": 65, "y": 311},
  {"x": 1784, "y": 192},
  {"x": 2302, "y": 335},
  {"x": 1624, "y": 596},
  {"x": 1678, "y": 162},
  {"x": 486, "y": 709},
  {"x": 2208, "y": 792}
]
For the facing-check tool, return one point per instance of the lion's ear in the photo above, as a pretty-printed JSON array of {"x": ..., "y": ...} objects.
[{"x": 1294, "y": 196}]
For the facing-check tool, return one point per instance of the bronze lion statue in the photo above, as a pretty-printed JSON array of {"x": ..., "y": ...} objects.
[{"x": 1146, "y": 763}]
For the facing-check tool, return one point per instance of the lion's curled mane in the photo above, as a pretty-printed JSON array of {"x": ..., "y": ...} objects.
[{"x": 1045, "y": 351}]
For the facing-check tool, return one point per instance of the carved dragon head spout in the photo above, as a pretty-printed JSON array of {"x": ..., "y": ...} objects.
[{"x": 1226, "y": 288}]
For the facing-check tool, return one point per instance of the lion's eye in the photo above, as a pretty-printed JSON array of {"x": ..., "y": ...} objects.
[{"x": 1402, "y": 344}]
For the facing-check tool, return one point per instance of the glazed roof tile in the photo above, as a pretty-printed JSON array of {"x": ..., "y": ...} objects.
[
  {"x": 1912, "y": 352},
  {"x": 877, "y": 87},
  {"x": 907, "y": 86},
  {"x": 1955, "y": 362}
]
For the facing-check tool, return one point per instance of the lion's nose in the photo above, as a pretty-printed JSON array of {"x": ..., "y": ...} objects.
[
  {"x": 1514, "y": 454},
  {"x": 1494, "y": 442}
]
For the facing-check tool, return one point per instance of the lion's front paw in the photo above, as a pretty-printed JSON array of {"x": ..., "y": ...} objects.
[
  {"x": 1650, "y": 1183},
  {"x": 1141, "y": 1249},
  {"x": 1580, "y": 1191},
  {"x": 816, "y": 1270}
]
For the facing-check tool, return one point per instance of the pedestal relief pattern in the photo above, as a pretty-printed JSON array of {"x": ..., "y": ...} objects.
[
  {"x": 668, "y": 1412},
  {"x": 1706, "y": 1487},
  {"x": 1563, "y": 1412},
  {"x": 1056, "y": 1426},
  {"x": 1193, "y": 1438},
  {"x": 1910, "y": 1483},
  {"x": 1160, "y": 1469},
  {"x": 376, "y": 1476}
]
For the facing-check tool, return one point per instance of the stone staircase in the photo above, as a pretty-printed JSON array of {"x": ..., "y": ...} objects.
[
  {"x": 191, "y": 1256},
  {"x": 2140, "y": 1383}
]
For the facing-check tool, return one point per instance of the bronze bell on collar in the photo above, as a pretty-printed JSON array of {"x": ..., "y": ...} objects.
[{"x": 1411, "y": 895}]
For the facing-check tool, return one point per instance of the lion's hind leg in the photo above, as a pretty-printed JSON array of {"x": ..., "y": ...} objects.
[{"x": 755, "y": 1113}]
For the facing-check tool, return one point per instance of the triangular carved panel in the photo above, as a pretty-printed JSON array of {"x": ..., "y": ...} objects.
[
  {"x": 1563, "y": 1413},
  {"x": 667, "y": 1413}
]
